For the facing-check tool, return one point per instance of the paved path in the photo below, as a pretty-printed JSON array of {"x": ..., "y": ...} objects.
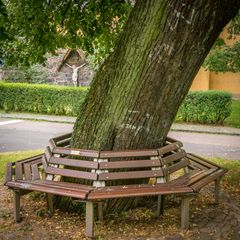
[
  {"x": 25, "y": 135},
  {"x": 18, "y": 135}
]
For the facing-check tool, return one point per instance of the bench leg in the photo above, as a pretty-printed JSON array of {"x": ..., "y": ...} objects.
[
  {"x": 100, "y": 211},
  {"x": 49, "y": 202},
  {"x": 89, "y": 219},
  {"x": 16, "y": 206},
  {"x": 217, "y": 190},
  {"x": 160, "y": 205},
  {"x": 185, "y": 212}
]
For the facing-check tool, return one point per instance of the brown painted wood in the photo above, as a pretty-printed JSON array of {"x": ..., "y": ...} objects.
[
  {"x": 18, "y": 171},
  {"x": 71, "y": 173},
  {"x": 27, "y": 171},
  {"x": 130, "y": 175},
  {"x": 35, "y": 171},
  {"x": 9, "y": 172},
  {"x": 129, "y": 153},
  {"x": 173, "y": 157},
  {"x": 176, "y": 166},
  {"x": 207, "y": 179},
  {"x": 137, "y": 190},
  {"x": 202, "y": 161},
  {"x": 74, "y": 163},
  {"x": 129, "y": 164},
  {"x": 170, "y": 147},
  {"x": 76, "y": 152},
  {"x": 62, "y": 137},
  {"x": 29, "y": 185}
]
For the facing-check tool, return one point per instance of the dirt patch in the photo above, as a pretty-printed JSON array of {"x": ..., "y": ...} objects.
[{"x": 208, "y": 221}]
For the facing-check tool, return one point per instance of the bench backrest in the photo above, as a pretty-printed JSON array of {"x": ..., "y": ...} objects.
[{"x": 104, "y": 168}]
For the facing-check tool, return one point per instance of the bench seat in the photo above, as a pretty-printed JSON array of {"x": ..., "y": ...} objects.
[
  {"x": 137, "y": 190},
  {"x": 53, "y": 187}
]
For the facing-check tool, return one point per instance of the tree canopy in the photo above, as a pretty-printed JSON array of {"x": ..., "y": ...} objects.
[{"x": 31, "y": 28}]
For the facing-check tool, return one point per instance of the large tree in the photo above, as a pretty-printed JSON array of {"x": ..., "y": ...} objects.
[{"x": 137, "y": 91}]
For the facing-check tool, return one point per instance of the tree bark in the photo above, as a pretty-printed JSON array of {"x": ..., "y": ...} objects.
[{"x": 137, "y": 91}]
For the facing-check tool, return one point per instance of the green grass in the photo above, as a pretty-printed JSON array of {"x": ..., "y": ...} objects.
[
  {"x": 232, "y": 178},
  {"x": 14, "y": 156},
  {"x": 234, "y": 119}
]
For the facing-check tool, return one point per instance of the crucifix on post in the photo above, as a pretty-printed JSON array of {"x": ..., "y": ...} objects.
[{"x": 75, "y": 73}]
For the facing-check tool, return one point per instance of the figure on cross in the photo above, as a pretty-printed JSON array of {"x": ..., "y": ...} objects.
[{"x": 75, "y": 73}]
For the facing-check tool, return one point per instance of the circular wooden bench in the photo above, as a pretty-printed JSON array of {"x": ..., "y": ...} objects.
[{"x": 106, "y": 174}]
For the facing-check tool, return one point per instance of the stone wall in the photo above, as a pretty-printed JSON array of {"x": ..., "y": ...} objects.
[{"x": 60, "y": 74}]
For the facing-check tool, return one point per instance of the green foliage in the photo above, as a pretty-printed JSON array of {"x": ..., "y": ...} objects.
[
  {"x": 234, "y": 119},
  {"x": 205, "y": 107},
  {"x": 39, "y": 27},
  {"x": 41, "y": 98},
  {"x": 223, "y": 58},
  {"x": 33, "y": 74},
  {"x": 234, "y": 27}
]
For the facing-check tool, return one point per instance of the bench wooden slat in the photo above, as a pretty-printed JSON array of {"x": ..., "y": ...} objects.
[
  {"x": 64, "y": 142},
  {"x": 201, "y": 161},
  {"x": 129, "y": 153},
  {"x": 27, "y": 171},
  {"x": 176, "y": 166},
  {"x": 44, "y": 162},
  {"x": 62, "y": 137},
  {"x": 29, "y": 185},
  {"x": 18, "y": 171},
  {"x": 35, "y": 171},
  {"x": 76, "y": 152},
  {"x": 74, "y": 163},
  {"x": 71, "y": 173},
  {"x": 52, "y": 144},
  {"x": 170, "y": 147},
  {"x": 71, "y": 185},
  {"x": 9, "y": 172},
  {"x": 130, "y": 175},
  {"x": 207, "y": 179},
  {"x": 137, "y": 190},
  {"x": 130, "y": 164},
  {"x": 173, "y": 157}
]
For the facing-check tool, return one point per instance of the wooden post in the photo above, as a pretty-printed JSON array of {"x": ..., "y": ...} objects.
[
  {"x": 185, "y": 212},
  {"x": 89, "y": 219},
  {"x": 49, "y": 203},
  {"x": 16, "y": 206},
  {"x": 100, "y": 211},
  {"x": 217, "y": 190},
  {"x": 160, "y": 205}
]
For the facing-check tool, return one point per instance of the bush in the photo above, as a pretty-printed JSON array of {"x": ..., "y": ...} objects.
[
  {"x": 205, "y": 107},
  {"x": 36, "y": 98}
]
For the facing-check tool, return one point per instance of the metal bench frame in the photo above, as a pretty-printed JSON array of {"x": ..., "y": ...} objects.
[{"x": 101, "y": 168}]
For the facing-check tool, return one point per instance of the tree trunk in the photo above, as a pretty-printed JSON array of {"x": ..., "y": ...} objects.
[{"x": 137, "y": 91}]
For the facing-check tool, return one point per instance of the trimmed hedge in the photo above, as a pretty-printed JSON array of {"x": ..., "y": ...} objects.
[
  {"x": 46, "y": 99},
  {"x": 205, "y": 107},
  {"x": 198, "y": 106}
]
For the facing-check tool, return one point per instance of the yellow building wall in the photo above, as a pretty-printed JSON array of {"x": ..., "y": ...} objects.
[
  {"x": 228, "y": 81},
  {"x": 201, "y": 81}
]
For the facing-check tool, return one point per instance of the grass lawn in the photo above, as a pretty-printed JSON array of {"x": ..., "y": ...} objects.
[
  {"x": 234, "y": 119},
  {"x": 13, "y": 156}
]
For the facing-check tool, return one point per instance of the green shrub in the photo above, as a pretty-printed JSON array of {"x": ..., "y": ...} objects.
[
  {"x": 46, "y": 99},
  {"x": 205, "y": 107}
]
